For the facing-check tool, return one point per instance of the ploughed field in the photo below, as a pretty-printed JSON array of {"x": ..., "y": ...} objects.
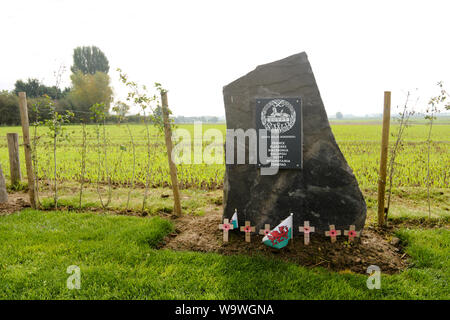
[{"x": 360, "y": 144}]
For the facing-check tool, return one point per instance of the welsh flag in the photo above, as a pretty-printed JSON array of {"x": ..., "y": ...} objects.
[
  {"x": 234, "y": 220},
  {"x": 280, "y": 235}
]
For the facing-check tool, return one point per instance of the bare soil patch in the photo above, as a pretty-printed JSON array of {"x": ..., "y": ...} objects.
[
  {"x": 16, "y": 202},
  {"x": 203, "y": 235}
]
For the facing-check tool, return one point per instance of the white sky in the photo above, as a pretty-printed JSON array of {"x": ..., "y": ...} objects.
[{"x": 357, "y": 49}]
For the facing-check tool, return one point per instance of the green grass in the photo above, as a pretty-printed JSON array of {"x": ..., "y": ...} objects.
[
  {"x": 411, "y": 205},
  {"x": 159, "y": 200},
  {"x": 118, "y": 261},
  {"x": 360, "y": 145}
]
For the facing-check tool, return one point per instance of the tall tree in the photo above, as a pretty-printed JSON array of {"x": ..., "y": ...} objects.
[
  {"x": 89, "y": 60},
  {"x": 88, "y": 90}
]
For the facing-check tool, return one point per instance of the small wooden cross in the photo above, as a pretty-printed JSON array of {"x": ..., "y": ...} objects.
[
  {"x": 247, "y": 229},
  {"x": 352, "y": 233},
  {"x": 306, "y": 229},
  {"x": 265, "y": 231},
  {"x": 225, "y": 226},
  {"x": 333, "y": 233}
]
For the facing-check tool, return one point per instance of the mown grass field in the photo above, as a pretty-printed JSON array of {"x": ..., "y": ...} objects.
[
  {"x": 360, "y": 145},
  {"x": 118, "y": 260}
]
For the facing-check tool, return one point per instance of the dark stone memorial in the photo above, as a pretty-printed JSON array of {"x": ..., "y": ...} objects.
[{"x": 314, "y": 181}]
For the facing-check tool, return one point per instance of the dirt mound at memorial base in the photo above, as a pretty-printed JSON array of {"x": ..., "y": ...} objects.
[{"x": 203, "y": 235}]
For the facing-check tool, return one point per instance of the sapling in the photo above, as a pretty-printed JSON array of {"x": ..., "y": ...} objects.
[
  {"x": 139, "y": 96},
  {"x": 99, "y": 116},
  {"x": 34, "y": 152},
  {"x": 403, "y": 123},
  {"x": 134, "y": 166},
  {"x": 121, "y": 109},
  {"x": 83, "y": 160},
  {"x": 430, "y": 114},
  {"x": 57, "y": 133}
]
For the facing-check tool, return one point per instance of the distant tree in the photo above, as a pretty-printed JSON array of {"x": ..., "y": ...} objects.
[
  {"x": 121, "y": 109},
  {"x": 205, "y": 119},
  {"x": 87, "y": 90},
  {"x": 31, "y": 87},
  {"x": 157, "y": 114},
  {"x": 34, "y": 89},
  {"x": 9, "y": 108},
  {"x": 89, "y": 60},
  {"x": 339, "y": 115}
]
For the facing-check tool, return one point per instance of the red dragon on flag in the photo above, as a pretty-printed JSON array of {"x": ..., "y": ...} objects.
[{"x": 277, "y": 236}]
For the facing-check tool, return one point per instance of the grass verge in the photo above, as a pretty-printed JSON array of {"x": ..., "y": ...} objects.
[{"x": 118, "y": 260}]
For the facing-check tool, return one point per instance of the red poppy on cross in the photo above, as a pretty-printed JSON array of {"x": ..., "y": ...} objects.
[
  {"x": 306, "y": 229},
  {"x": 333, "y": 233},
  {"x": 265, "y": 231},
  {"x": 225, "y": 226},
  {"x": 352, "y": 233},
  {"x": 248, "y": 229}
]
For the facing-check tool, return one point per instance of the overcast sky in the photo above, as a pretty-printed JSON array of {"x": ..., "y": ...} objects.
[{"x": 357, "y": 49}]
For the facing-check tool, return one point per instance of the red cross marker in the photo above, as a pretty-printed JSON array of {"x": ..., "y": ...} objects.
[
  {"x": 247, "y": 229},
  {"x": 306, "y": 229},
  {"x": 225, "y": 227},
  {"x": 333, "y": 233},
  {"x": 265, "y": 231},
  {"x": 352, "y": 233}
]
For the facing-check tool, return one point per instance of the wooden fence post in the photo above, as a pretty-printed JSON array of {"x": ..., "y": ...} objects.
[
  {"x": 14, "y": 160},
  {"x": 3, "y": 192},
  {"x": 27, "y": 146},
  {"x": 383, "y": 157},
  {"x": 169, "y": 146}
]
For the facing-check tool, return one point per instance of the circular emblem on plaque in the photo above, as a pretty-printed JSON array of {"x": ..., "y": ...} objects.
[{"x": 278, "y": 115}]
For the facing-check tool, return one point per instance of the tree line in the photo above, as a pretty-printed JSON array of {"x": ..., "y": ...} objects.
[{"x": 90, "y": 85}]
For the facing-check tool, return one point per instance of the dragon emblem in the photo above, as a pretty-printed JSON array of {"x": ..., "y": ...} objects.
[{"x": 277, "y": 236}]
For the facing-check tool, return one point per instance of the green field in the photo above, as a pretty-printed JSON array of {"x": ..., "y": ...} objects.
[
  {"x": 118, "y": 260},
  {"x": 360, "y": 145},
  {"x": 120, "y": 256}
]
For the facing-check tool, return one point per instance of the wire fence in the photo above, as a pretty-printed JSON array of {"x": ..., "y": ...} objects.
[{"x": 127, "y": 156}]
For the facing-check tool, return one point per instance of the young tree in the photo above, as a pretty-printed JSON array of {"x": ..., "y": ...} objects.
[
  {"x": 83, "y": 160},
  {"x": 99, "y": 116},
  {"x": 89, "y": 60},
  {"x": 433, "y": 108},
  {"x": 56, "y": 133},
  {"x": 139, "y": 96},
  {"x": 403, "y": 123},
  {"x": 121, "y": 109}
]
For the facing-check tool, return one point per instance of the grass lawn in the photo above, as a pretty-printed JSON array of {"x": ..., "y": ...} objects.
[{"x": 118, "y": 260}]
